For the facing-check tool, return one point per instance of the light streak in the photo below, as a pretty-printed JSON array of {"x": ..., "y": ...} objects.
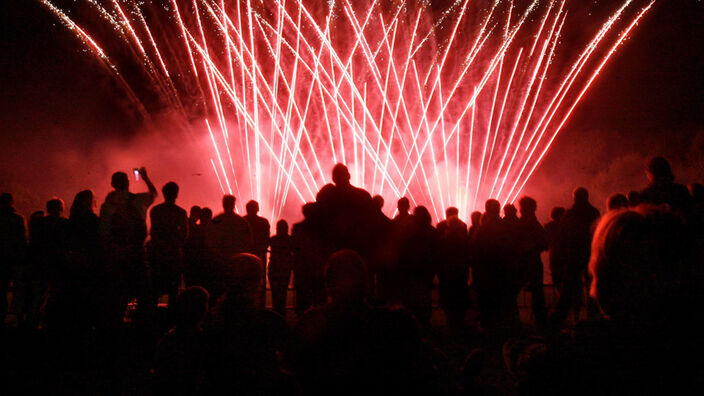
[{"x": 307, "y": 86}]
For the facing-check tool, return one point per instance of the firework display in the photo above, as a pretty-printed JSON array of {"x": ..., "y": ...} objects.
[{"x": 448, "y": 105}]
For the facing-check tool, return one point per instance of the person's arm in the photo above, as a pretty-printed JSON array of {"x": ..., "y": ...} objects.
[{"x": 150, "y": 185}]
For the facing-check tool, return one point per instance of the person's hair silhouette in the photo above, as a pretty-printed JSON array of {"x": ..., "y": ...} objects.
[
  {"x": 228, "y": 203},
  {"x": 340, "y": 175},
  {"x": 170, "y": 191},
  {"x": 403, "y": 205},
  {"x": 252, "y": 207},
  {"x": 119, "y": 181}
]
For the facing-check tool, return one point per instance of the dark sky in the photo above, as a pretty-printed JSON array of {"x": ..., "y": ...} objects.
[{"x": 649, "y": 100}]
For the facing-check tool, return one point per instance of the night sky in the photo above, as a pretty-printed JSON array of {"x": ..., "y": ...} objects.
[{"x": 54, "y": 111}]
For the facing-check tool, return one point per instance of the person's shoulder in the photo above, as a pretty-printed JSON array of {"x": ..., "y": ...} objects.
[
  {"x": 362, "y": 192},
  {"x": 180, "y": 211},
  {"x": 325, "y": 192},
  {"x": 143, "y": 196},
  {"x": 271, "y": 319},
  {"x": 681, "y": 189},
  {"x": 16, "y": 217},
  {"x": 241, "y": 220},
  {"x": 160, "y": 207},
  {"x": 311, "y": 322}
]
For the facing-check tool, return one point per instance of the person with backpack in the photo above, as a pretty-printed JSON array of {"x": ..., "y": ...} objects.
[{"x": 123, "y": 229}]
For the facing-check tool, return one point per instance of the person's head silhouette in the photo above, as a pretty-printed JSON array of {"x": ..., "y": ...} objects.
[
  {"x": 252, "y": 208},
  {"x": 476, "y": 217},
  {"x": 205, "y": 215},
  {"x": 120, "y": 182},
  {"x": 616, "y": 201},
  {"x": 527, "y": 206},
  {"x": 510, "y": 211},
  {"x": 451, "y": 211},
  {"x": 346, "y": 277},
  {"x": 194, "y": 213},
  {"x": 580, "y": 196},
  {"x": 242, "y": 279},
  {"x": 659, "y": 171},
  {"x": 191, "y": 306},
  {"x": 422, "y": 216},
  {"x": 6, "y": 200},
  {"x": 170, "y": 191},
  {"x": 492, "y": 207},
  {"x": 378, "y": 202},
  {"x": 308, "y": 210},
  {"x": 637, "y": 256},
  {"x": 83, "y": 202},
  {"x": 54, "y": 207},
  {"x": 281, "y": 227},
  {"x": 403, "y": 205},
  {"x": 228, "y": 203},
  {"x": 556, "y": 213},
  {"x": 340, "y": 175}
]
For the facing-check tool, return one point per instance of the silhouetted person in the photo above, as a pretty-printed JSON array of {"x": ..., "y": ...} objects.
[
  {"x": 617, "y": 201},
  {"x": 193, "y": 247},
  {"x": 489, "y": 264},
  {"x": 34, "y": 284},
  {"x": 531, "y": 243},
  {"x": 510, "y": 218},
  {"x": 347, "y": 347},
  {"x": 475, "y": 218},
  {"x": 514, "y": 274},
  {"x": 453, "y": 268},
  {"x": 309, "y": 260},
  {"x": 280, "y": 266},
  {"x": 570, "y": 255},
  {"x": 401, "y": 225},
  {"x": 231, "y": 234},
  {"x": 168, "y": 237},
  {"x": 450, "y": 212},
  {"x": 260, "y": 236},
  {"x": 418, "y": 260},
  {"x": 123, "y": 229},
  {"x": 663, "y": 189},
  {"x": 13, "y": 245},
  {"x": 648, "y": 340},
  {"x": 52, "y": 252},
  {"x": 381, "y": 256},
  {"x": 193, "y": 217},
  {"x": 178, "y": 361},
  {"x": 78, "y": 295},
  {"x": 552, "y": 228},
  {"x": 260, "y": 230},
  {"x": 345, "y": 213},
  {"x": 403, "y": 217},
  {"x": 243, "y": 341}
]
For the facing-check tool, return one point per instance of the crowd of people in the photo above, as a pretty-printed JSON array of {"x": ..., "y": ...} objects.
[{"x": 92, "y": 284}]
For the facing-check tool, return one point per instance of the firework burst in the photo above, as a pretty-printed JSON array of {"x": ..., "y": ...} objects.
[{"x": 447, "y": 107}]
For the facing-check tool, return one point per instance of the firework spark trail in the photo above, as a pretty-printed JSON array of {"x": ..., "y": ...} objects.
[
  {"x": 564, "y": 89},
  {"x": 535, "y": 97},
  {"x": 302, "y": 94},
  {"x": 612, "y": 50}
]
